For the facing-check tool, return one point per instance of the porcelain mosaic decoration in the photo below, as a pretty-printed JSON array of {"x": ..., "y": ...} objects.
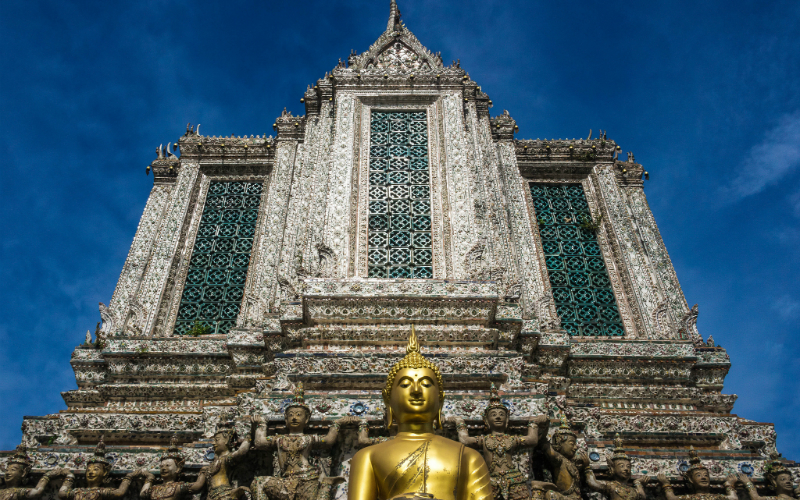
[{"x": 265, "y": 264}]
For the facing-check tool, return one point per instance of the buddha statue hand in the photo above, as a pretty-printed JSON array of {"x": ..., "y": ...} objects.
[
  {"x": 582, "y": 460},
  {"x": 349, "y": 419},
  {"x": 58, "y": 472},
  {"x": 453, "y": 421},
  {"x": 539, "y": 420}
]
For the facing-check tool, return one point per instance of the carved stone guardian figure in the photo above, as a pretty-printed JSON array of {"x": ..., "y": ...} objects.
[
  {"x": 699, "y": 480},
  {"x": 778, "y": 477},
  {"x": 300, "y": 480},
  {"x": 619, "y": 464},
  {"x": 19, "y": 466},
  {"x": 97, "y": 474},
  {"x": 171, "y": 489},
  {"x": 565, "y": 463},
  {"x": 498, "y": 448},
  {"x": 417, "y": 462},
  {"x": 219, "y": 487}
]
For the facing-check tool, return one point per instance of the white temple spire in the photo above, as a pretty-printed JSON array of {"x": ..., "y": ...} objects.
[{"x": 394, "y": 17}]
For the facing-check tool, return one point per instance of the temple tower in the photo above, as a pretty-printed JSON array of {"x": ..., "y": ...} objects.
[{"x": 262, "y": 262}]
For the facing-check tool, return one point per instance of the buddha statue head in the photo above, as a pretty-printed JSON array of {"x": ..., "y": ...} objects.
[
  {"x": 565, "y": 440},
  {"x": 297, "y": 413},
  {"x": 18, "y": 468},
  {"x": 98, "y": 468},
  {"x": 224, "y": 438},
  {"x": 495, "y": 416},
  {"x": 172, "y": 461},
  {"x": 778, "y": 476},
  {"x": 414, "y": 392},
  {"x": 697, "y": 476},
  {"x": 619, "y": 463}
]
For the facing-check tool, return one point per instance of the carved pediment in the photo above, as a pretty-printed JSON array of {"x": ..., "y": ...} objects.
[
  {"x": 397, "y": 50},
  {"x": 399, "y": 57}
]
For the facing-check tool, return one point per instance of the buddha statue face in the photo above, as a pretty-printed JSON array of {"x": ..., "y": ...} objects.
[
  {"x": 15, "y": 474},
  {"x": 700, "y": 479},
  {"x": 169, "y": 469},
  {"x": 496, "y": 420},
  {"x": 95, "y": 474},
  {"x": 782, "y": 483},
  {"x": 222, "y": 443},
  {"x": 296, "y": 419},
  {"x": 414, "y": 399},
  {"x": 621, "y": 469},
  {"x": 568, "y": 446}
]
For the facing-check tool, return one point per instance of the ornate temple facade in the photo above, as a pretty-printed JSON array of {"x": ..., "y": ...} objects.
[{"x": 397, "y": 199}]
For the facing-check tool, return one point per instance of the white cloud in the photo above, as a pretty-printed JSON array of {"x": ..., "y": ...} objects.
[
  {"x": 769, "y": 161},
  {"x": 787, "y": 307}
]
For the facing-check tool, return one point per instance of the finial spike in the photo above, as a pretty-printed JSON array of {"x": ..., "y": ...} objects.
[
  {"x": 413, "y": 342},
  {"x": 394, "y": 16}
]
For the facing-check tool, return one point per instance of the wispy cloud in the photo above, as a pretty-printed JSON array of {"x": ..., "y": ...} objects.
[
  {"x": 766, "y": 163},
  {"x": 787, "y": 307}
]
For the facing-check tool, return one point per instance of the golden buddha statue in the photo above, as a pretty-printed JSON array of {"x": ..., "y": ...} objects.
[{"x": 416, "y": 462}]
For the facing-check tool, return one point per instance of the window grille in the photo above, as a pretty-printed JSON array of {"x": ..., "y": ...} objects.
[
  {"x": 399, "y": 196},
  {"x": 578, "y": 276},
  {"x": 215, "y": 282}
]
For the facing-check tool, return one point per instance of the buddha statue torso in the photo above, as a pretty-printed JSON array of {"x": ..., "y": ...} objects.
[{"x": 427, "y": 463}]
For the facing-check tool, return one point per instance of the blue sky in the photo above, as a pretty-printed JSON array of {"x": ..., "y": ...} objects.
[{"x": 706, "y": 94}]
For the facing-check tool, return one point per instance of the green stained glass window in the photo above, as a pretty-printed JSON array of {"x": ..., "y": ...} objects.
[
  {"x": 214, "y": 286},
  {"x": 578, "y": 276},
  {"x": 399, "y": 196}
]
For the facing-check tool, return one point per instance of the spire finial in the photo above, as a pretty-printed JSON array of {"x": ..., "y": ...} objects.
[
  {"x": 413, "y": 342},
  {"x": 394, "y": 17}
]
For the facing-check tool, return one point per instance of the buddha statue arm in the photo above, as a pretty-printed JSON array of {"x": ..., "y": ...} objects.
[
  {"x": 124, "y": 485},
  {"x": 463, "y": 433},
  {"x": 66, "y": 488},
  {"x": 593, "y": 483},
  {"x": 148, "y": 484},
  {"x": 363, "y": 435},
  {"x": 362, "y": 484},
  {"x": 242, "y": 450},
  {"x": 333, "y": 433},
  {"x": 548, "y": 451},
  {"x": 475, "y": 478},
  {"x": 730, "y": 487},
  {"x": 639, "y": 483},
  {"x": 532, "y": 438},
  {"x": 666, "y": 486},
  {"x": 196, "y": 486},
  {"x": 42, "y": 484},
  {"x": 262, "y": 441}
]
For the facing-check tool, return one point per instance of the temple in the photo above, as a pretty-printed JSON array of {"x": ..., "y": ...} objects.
[{"x": 264, "y": 262}]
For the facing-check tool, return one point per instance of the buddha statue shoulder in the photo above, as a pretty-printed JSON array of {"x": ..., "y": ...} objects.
[{"x": 417, "y": 462}]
